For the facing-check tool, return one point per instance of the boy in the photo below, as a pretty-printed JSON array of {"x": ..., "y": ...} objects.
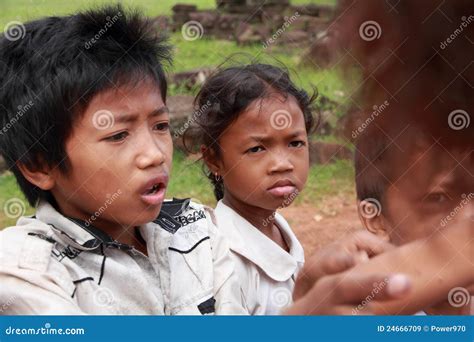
[
  {"x": 411, "y": 184},
  {"x": 93, "y": 154},
  {"x": 414, "y": 161}
]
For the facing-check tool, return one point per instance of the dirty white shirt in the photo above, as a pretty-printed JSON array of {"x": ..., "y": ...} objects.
[
  {"x": 266, "y": 272},
  {"x": 54, "y": 265}
]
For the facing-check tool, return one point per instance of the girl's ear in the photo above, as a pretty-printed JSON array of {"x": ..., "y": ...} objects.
[
  {"x": 41, "y": 177},
  {"x": 212, "y": 161},
  {"x": 371, "y": 217}
]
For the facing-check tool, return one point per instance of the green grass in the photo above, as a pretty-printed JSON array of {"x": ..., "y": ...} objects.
[
  {"x": 24, "y": 10},
  {"x": 190, "y": 54},
  {"x": 187, "y": 180}
]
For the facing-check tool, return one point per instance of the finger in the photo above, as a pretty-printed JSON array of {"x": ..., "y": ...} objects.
[
  {"x": 353, "y": 288},
  {"x": 318, "y": 267},
  {"x": 361, "y": 256},
  {"x": 370, "y": 243}
]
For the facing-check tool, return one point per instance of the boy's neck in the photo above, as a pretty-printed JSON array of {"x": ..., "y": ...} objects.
[{"x": 118, "y": 232}]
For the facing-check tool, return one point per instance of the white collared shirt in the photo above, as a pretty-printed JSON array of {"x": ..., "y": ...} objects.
[
  {"x": 54, "y": 265},
  {"x": 266, "y": 271}
]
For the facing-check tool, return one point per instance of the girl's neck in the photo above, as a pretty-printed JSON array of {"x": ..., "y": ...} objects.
[{"x": 262, "y": 219}]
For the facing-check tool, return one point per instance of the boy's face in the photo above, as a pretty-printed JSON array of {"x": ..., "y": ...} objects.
[
  {"x": 120, "y": 152},
  {"x": 434, "y": 189},
  {"x": 264, "y": 156}
]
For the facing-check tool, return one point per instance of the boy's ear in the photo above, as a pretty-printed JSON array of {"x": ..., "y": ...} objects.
[
  {"x": 211, "y": 160},
  {"x": 372, "y": 219},
  {"x": 42, "y": 177}
]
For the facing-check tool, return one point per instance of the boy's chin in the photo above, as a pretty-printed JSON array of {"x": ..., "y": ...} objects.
[{"x": 147, "y": 215}]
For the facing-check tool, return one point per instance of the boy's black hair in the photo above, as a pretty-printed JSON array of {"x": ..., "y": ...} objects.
[
  {"x": 52, "y": 72},
  {"x": 227, "y": 93}
]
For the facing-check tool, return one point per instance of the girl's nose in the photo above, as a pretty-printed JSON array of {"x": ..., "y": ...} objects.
[{"x": 281, "y": 163}]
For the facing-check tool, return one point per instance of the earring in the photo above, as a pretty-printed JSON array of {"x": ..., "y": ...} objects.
[{"x": 217, "y": 177}]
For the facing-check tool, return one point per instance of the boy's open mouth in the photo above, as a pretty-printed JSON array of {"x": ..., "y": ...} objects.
[{"x": 153, "y": 193}]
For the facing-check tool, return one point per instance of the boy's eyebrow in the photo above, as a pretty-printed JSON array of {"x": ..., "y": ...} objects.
[{"x": 125, "y": 118}]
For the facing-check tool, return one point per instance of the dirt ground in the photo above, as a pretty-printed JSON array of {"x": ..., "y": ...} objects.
[{"x": 317, "y": 226}]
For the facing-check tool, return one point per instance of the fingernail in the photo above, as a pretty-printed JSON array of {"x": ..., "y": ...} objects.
[{"x": 398, "y": 284}]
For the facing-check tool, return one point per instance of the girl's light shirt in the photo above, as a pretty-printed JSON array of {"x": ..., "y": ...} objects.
[{"x": 266, "y": 272}]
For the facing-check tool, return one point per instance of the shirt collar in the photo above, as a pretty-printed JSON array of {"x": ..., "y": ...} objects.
[
  {"x": 79, "y": 233},
  {"x": 247, "y": 241}
]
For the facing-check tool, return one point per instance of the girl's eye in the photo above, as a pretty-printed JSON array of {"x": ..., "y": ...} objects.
[
  {"x": 437, "y": 198},
  {"x": 162, "y": 126},
  {"x": 297, "y": 143},
  {"x": 255, "y": 149},
  {"x": 117, "y": 137}
]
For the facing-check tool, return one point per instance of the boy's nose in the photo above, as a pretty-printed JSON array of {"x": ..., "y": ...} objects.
[{"x": 151, "y": 153}]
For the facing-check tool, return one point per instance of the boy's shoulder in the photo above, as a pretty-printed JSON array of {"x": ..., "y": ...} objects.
[
  {"x": 190, "y": 223},
  {"x": 177, "y": 214},
  {"x": 28, "y": 245}
]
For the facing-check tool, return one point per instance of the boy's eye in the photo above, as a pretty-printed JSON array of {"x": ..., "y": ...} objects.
[
  {"x": 255, "y": 149},
  {"x": 297, "y": 143},
  {"x": 117, "y": 137},
  {"x": 162, "y": 126}
]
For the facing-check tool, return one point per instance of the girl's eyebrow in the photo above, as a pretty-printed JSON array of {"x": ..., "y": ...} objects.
[{"x": 270, "y": 136}]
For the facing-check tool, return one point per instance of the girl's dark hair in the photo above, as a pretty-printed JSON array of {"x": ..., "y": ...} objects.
[
  {"x": 227, "y": 93},
  {"x": 51, "y": 74}
]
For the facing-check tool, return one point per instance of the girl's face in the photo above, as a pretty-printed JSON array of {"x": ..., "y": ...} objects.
[{"x": 264, "y": 157}]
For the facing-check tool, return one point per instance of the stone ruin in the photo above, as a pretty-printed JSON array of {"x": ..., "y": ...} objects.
[{"x": 270, "y": 22}]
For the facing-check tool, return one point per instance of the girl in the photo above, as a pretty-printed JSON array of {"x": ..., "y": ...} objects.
[{"x": 254, "y": 127}]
